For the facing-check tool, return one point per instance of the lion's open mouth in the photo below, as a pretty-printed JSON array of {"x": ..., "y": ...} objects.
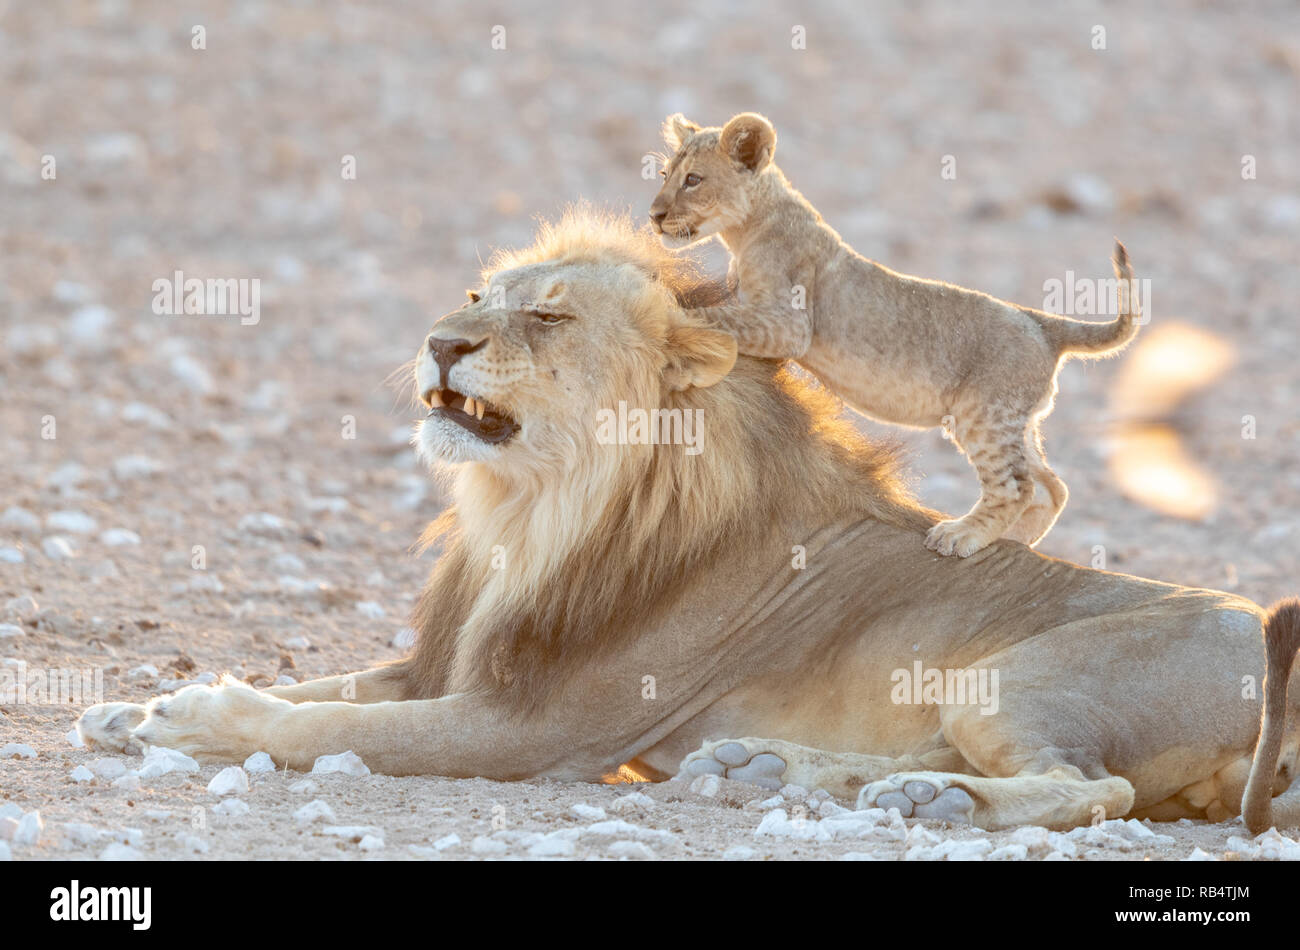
[{"x": 475, "y": 416}]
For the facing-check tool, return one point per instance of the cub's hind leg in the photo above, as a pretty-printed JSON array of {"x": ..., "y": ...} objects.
[
  {"x": 1038, "y": 518},
  {"x": 994, "y": 443}
]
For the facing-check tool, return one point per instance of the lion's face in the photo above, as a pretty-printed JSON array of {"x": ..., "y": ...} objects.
[
  {"x": 516, "y": 377},
  {"x": 707, "y": 182}
]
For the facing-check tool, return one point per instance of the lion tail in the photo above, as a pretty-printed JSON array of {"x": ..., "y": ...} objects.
[
  {"x": 1100, "y": 339},
  {"x": 1281, "y": 642}
]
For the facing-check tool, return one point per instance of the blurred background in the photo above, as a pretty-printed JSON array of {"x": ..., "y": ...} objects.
[{"x": 1172, "y": 125}]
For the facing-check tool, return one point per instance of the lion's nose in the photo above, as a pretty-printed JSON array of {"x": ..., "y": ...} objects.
[{"x": 447, "y": 352}]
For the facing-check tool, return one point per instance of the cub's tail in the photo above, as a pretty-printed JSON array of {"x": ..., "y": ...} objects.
[
  {"x": 1281, "y": 641},
  {"x": 1100, "y": 339}
]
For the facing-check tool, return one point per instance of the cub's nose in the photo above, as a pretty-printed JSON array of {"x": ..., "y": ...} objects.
[
  {"x": 658, "y": 218},
  {"x": 446, "y": 353}
]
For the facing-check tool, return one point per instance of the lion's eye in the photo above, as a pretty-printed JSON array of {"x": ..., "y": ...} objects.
[
  {"x": 551, "y": 319},
  {"x": 692, "y": 180},
  {"x": 473, "y": 297}
]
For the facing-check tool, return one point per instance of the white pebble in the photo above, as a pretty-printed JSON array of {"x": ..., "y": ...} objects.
[
  {"x": 447, "y": 841},
  {"x": 136, "y": 466},
  {"x": 12, "y": 556},
  {"x": 370, "y": 609},
  {"x": 631, "y": 802},
  {"x": 76, "y": 522},
  {"x": 259, "y": 762},
  {"x": 231, "y": 780},
  {"x": 120, "y": 852},
  {"x": 297, "y": 643},
  {"x": 146, "y": 415},
  {"x": 74, "y": 739},
  {"x": 81, "y": 774},
  {"x": 630, "y": 849},
  {"x": 231, "y": 808},
  {"x": 23, "y": 606},
  {"x": 5, "y": 853},
  {"x": 20, "y": 521},
  {"x": 738, "y": 853},
  {"x": 129, "y": 782},
  {"x": 706, "y": 785},
  {"x": 192, "y": 374},
  {"x": 304, "y": 787},
  {"x": 483, "y": 845},
  {"x": 9, "y": 826},
  {"x": 29, "y": 828},
  {"x": 283, "y": 680},
  {"x": 313, "y": 811},
  {"x": 17, "y": 749},
  {"x": 349, "y": 763},
  {"x": 193, "y": 844},
  {"x": 56, "y": 548},
  {"x": 404, "y": 639},
  {"x": 146, "y": 671},
  {"x": 107, "y": 768},
  {"x": 551, "y": 846},
  {"x": 160, "y": 761},
  {"x": 588, "y": 812},
  {"x": 371, "y": 843},
  {"x": 10, "y": 630},
  {"x": 117, "y": 537}
]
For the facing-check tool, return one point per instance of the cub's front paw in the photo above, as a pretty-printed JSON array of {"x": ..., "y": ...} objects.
[{"x": 956, "y": 537}]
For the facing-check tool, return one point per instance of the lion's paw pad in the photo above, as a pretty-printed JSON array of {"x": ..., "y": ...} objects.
[
  {"x": 734, "y": 761},
  {"x": 109, "y": 726},
  {"x": 920, "y": 797}
]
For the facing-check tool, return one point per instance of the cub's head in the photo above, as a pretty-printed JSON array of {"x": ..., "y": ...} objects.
[
  {"x": 708, "y": 179},
  {"x": 588, "y": 317}
]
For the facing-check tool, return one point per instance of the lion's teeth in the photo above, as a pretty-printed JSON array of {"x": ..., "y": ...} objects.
[
  {"x": 469, "y": 405},
  {"x": 481, "y": 407},
  {"x": 435, "y": 398}
]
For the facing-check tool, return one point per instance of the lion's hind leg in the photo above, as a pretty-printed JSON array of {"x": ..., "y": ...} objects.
[
  {"x": 773, "y": 763},
  {"x": 1060, "y": 797}
]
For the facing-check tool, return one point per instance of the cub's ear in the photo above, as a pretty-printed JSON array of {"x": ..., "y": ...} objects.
[
  {"x": 677, "y": 129},
  {"x": 698, "y": 356},
  {"x": 750, "y": 140}
]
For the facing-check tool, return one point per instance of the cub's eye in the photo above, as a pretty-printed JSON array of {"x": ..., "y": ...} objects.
[
  {"x": 692, "y": 180},
  {"x": 663, "y": 173},
  {"x": 473, "y": 297},
  {"x": 551, "y": 319}
]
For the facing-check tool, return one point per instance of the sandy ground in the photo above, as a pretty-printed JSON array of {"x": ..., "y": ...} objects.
[{"x": 187, "y": 431}]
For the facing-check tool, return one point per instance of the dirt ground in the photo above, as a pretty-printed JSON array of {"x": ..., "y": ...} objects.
[{"x": 273, "y": 455}]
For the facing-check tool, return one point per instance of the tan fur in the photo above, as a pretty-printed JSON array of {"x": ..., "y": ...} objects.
[
  {"x": 900, "y": 349},
  {"x": 651, "y": 604},
  {"x": 1281, "y": 641}
]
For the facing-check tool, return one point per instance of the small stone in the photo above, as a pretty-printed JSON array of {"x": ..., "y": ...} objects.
[
  {"x": 12, "y": 556},
  {"x": 76, "y": 522},
  {"x": 447, "y": 841},
  {"x": 23, "y": 606},
  {"x": 588, "y": 812},
  {"x": 371, "y": 843},
  {"x": 20, "y": 521},
  {"x": 117, "y": 537},
  {"x": 706, "y": 785},
  {"x": 303, "y": 787},
  {"x": 11, "y": 630},
  {"x": 738, "y": 853},
  {"x": 56, "y": 548},
  {"x": 146, "y": 671},
  {"x": 136, "y": 466},
  {"x": 313, "y": 811},
  {"x": 108, "y": 768},
  {"x": 81, "y": 774},
  {"x": 193, "y": 844},
  {"x": 231, "y": 808},
  {"x": 482, "y": 845},
  {"x": 29, "y": 829},
  {"x": 259, "y": 762},
  {"x": 370, "y": 609},
  {"x": 285, "y": 680},
  {"x": 160, "y": 761},
  {"x": 231, "y": 780},
  {"x": 551, "y": 846},
  {"x": 631, "y": 802},
  {"x": 120, "y": 852},
  {"x": 404, "y": 639},
  {"x": 633, "y": 850},
  {"x": 128, "y": 783},
  {"x": 349, "y": 763},
  {"x": 17, "y": 750},
  {"x": 74, "y": 739},
  {"x": 9, "y": 826},
  {"x": 297, "y": 643}
]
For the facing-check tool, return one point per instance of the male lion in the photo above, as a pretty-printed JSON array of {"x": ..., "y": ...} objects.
[{"x": 603, "y": 604}]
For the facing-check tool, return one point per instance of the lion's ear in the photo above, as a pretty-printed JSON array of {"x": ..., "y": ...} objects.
[
  {"x": 698, "y": 356},
  {"x": 677, "y": 129},
  {"x": 750, "y": 140}
]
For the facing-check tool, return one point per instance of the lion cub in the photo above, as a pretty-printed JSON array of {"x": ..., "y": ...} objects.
[{"x": 900, "y": 349}]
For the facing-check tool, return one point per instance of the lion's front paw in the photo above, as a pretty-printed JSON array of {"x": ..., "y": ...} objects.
[
  {"x": 222, "y": 722},
  {"x": 920, "y": 795},
  {"x": 745, "y": 760},
  {"x": 956, "y": 537},
  {"x": 108, "y": 726}
]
